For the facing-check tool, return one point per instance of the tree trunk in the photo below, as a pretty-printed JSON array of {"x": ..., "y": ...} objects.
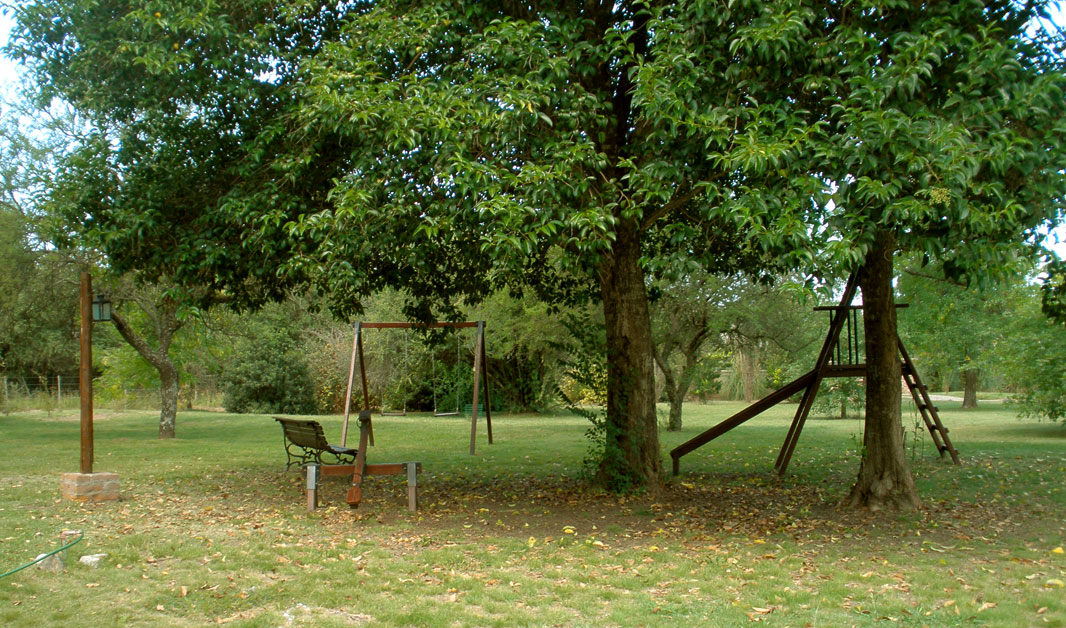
[
  {"x": 166, "y": 324},
  {"x": 631, "y": 449},
  {"x": 969, "y": 394},
  {"x": 885, "y": 478},
  {"x": 673, "y": 424},
  {"x": 748, "y": 361},
  {"x": 168, "y": 400},
  {"x": 673, "y": 394}
]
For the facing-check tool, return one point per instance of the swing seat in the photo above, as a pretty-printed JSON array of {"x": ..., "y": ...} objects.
[{"x": 305, "y": 443}]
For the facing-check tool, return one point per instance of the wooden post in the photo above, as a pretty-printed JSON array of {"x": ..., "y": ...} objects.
[
  {"x": 351, "y": 380},
  {"x": 355, "y": 491},
  {"x": 312, "y": 486},
  {"x": 478, "y": 347},
  {"x": 59, "y": 392},
  {"x": 412, "y": 486},
  {"x": 85, "y": 376}
]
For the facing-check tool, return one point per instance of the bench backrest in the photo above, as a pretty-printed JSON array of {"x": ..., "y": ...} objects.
[{"x": 304, "y": 433}]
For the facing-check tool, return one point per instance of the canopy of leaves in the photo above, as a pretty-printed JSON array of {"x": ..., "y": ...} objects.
[{"x": 251, "y": 148}]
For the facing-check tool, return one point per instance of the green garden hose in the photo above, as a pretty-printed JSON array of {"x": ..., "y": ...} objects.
[{"x": 44, "y": 556}]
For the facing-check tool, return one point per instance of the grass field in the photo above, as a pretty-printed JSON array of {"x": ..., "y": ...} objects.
[{"x": 211, "y": 530}]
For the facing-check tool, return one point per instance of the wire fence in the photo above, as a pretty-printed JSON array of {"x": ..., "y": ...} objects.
[{"x": 62, "y": 393}]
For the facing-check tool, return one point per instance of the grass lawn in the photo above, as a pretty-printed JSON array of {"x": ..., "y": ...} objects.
[{"x": 212, "y": 530}]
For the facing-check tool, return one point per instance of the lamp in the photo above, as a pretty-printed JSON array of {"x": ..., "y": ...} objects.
[{"x": 101, "y": 309}]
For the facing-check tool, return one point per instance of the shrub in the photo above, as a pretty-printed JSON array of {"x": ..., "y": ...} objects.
[{"x": 268, "y": 374}]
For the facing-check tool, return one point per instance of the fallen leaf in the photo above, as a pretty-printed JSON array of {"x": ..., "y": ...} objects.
[
  {"x": 1058, "y": 550},
  {"x": 1054, "y": 582},
  {"x": 986, "y": 606}
]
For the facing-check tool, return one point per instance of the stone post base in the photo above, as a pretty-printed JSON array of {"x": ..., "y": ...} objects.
[{"x": 89, "y": 487}]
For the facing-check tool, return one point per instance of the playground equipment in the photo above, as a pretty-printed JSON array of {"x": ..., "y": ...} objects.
[
  {"x": 834, "y": 360},
  {"x": 360, "y": 468},
  {"x": 480, "y": 374}
]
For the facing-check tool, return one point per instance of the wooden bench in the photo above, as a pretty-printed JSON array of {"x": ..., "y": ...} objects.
[{"x": 305, "y": 443}]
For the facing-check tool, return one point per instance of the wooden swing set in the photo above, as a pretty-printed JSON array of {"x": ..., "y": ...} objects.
[
  {"x": 360, "y": 467},
  {"x": 839, "y": 357}
]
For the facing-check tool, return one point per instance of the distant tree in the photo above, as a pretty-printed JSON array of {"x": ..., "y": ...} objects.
[
  {"x": 1031, "y": 353},
  {"x": 684, "y": 323},
  {"x": 38, "y": 286},
  {"x": 703, "y": 315},
  {"x": 952, "y": 329},
  {"x": 38, "y": 304},
  {"x": 148, "y": 318}
]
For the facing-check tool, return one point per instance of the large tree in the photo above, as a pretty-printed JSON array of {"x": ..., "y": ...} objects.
[
  {"x": 449, "y": 149},
  {"x": 453, "y": 149},
  {"x": 942, "y": 133}
]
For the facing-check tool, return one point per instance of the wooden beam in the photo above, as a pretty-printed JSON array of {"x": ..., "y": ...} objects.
[{"x": 746, "y": 414}]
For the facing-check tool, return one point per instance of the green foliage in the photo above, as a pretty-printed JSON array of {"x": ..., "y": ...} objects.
[
  {"x": 268, "y": 377},
  {"x": 456, "y": 149},
  {"x": 266, "y": 370},
  {"x": 1032, "y": 358},
  {"x": 840, "y": 397},
  {"x": 707, "y": 378},
  {"x": 1053, "y": 290},
  {"x": 584, "y": 386},
  {"x": 950, "y": 329},
  {"x": 38, "y": 287},
  {"x": 523, "y": 340}
]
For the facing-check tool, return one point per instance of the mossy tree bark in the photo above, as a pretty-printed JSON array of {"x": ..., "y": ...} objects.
[
  {"x": 631, "y": 456},
  {"x": 885, "y": 479}
]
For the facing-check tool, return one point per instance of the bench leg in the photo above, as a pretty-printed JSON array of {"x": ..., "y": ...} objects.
[
  {"x": 311, "y": 471},
  {"x": 412, "y": 486}
]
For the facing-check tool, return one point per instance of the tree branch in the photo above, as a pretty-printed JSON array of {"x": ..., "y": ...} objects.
[{"x": 675, "y": 203}]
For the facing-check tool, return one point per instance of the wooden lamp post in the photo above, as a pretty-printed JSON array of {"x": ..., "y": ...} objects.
[{"x": 87, "y": 485}]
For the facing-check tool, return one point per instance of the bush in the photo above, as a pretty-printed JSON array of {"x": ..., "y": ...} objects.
[{"x": 268, "y": 375}]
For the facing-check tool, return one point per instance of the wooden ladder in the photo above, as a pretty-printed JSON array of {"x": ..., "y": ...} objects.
[{"x": 920, "y": 394}]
